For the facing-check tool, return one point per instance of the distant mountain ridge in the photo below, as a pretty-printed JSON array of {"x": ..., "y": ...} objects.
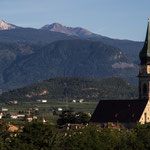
[
  {"x": 77, "y": 31},
  {"x": 56, "y": 32}
]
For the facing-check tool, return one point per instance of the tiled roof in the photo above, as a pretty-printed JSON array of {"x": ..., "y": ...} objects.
[{"x": 123, "y": 111}]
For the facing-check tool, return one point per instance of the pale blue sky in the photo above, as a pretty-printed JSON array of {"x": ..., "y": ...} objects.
[{"x": 122, "y": 19}]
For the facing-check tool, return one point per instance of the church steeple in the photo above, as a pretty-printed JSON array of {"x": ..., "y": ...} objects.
[
  {"x": 144, "y": 73},
  {"x": 145, "y": 52}
]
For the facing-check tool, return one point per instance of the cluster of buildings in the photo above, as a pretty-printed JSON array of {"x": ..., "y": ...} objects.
[{"x": 22, "y": 116}]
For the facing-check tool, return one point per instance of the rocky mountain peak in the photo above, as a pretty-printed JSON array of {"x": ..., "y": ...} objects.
[
  {"x": 6, "y": 26},
  {"x": 77, "y": 31}
]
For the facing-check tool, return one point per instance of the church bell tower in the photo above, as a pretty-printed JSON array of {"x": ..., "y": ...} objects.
[{"x": 144, "y": 72}]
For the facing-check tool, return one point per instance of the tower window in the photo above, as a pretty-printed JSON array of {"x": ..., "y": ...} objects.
[
  {"x": 144, "y": 90},
  {"x": 148, "y": 69}
]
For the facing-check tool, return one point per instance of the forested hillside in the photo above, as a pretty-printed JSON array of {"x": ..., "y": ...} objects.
[
  {"x": 76, "y": 58},
  {"x": 62, "y": 89}
]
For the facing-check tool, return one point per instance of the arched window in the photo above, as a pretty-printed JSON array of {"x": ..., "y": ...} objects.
[{"x": 144, "y": 90}]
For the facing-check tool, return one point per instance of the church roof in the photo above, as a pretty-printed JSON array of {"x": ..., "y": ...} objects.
[
  {"x": 123, "y": 111},
  {"x": 145, "y": 52}
]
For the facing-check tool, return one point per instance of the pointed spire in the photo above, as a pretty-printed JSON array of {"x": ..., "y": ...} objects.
[
  {"x": 145, "y": 52},
  {"x": 148, "y": 38}
]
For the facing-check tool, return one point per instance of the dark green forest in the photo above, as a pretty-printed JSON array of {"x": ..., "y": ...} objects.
[
  {"x": 39, "y": 136},
  {"x": 70, "y": 88}
]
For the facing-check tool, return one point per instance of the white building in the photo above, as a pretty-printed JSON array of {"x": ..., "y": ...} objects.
[
  {"x": 60, "y": 109},
  {"x": 1, "y": 115},
  {"x": 20, "y": 116},
  {"x": 44, "y": 101},
  {"x": 14, "y": 116},
  {"x": 4, "y": 109},
  {"x": 81, "y": 100},
  {"x": 74, "y": 101}
]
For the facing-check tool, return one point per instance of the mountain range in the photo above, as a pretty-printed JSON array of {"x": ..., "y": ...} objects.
[
  {"x": 56, "y": 32},
  {"x": 29, "y": 55}
]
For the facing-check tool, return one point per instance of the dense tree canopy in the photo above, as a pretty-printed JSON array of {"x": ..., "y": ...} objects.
[
  {"x": 72, "y": 117},
  {"x": 74, "y": 88},
  {"x": 39, "y": 136}
]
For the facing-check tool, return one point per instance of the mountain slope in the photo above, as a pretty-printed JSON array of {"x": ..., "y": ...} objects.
[
  {"x": 10, "y": 52},
  {"x": 32, "y": 35},
  {"x": 77, "y": 58},
  {"x": 131, "y": 48},
  {"x": 74, "y": 88}
]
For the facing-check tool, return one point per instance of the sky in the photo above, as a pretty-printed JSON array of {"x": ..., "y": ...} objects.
[{"x": 120, "y": 19}]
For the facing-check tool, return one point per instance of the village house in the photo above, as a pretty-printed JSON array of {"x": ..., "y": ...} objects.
[
  {"x": 4, "y": 109},
  {"x": 12, "y": 128},
  {"x": 60, "y": 109},
  {"x": 34, "y": 109},
  {"x": 38, "y": 100},
  {"x": 13, "y": 102},
  {"x": 129, "y": 112},
  {"x": 30, "y": 118},
  {"x": 81, "y": 100},
  {"x": 1, "y": 115},
  {"x": 44, "y": 101},
  {"x": 20, "y": 116},
  {"x": 69, "y": 126},
  {"x": 74, "y": 101},
  {"x": 43, "y": 120},
  {"x": 14, "y": 116}
]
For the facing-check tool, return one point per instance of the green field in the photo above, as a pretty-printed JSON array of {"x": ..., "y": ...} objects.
[{"x": 47, "y": 110}]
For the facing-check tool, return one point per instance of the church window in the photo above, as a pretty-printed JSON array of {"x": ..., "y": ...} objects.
[
  {"x": 148, "y": 69},
  {"x": 144, "y": 90}
]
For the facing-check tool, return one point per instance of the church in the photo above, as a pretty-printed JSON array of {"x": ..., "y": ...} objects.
[{"x": 129, "y": 111}]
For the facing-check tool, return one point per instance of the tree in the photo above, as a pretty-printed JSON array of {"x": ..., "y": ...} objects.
[
  {"x": 72, "y": 117},
  {"x": 36, "y": 135}
]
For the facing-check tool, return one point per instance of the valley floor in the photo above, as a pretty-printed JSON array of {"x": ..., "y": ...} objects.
[{"x": 50, "y": 110}]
